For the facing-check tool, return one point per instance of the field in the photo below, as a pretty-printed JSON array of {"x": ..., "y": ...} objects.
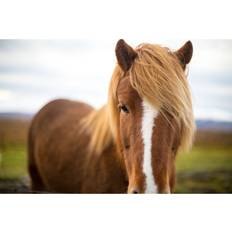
[{"x": 206, "y": 169}]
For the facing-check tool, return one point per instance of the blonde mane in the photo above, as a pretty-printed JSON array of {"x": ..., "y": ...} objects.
[
  {"x": 156, "y": 75},
  {"x": 97, "y": 124}
]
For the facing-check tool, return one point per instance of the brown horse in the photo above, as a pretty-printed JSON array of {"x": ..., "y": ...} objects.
[{"x": 130, "y": 144}]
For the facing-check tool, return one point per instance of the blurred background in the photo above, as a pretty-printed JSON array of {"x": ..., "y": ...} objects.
[{"x": 33, "y": 72}]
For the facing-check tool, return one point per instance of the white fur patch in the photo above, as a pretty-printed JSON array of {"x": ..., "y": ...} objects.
[{"x": 148, "y": 123}]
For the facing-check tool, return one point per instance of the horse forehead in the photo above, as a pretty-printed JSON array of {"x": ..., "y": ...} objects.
[{"x": 126, "y": 91}]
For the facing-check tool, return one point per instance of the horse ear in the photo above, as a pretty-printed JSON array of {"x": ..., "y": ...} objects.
[
  {"x": 185, "y": 53},
  {"x": 125, "y": 55}
]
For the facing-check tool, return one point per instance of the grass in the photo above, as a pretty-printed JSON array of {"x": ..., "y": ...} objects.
[
  {"x": 204, "y": 169},
  {"x": 13, "y": 136},
  {"x": 207, "y": 168},
  {"x": 205, "y": 159},
  {"x": 13, "y": 162}
]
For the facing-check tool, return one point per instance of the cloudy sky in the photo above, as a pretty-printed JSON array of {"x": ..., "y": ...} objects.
[{"x": 32, "y": 72}]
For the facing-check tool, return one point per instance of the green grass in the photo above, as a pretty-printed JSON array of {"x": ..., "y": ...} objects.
[
  {"x": 205, "y": 159},
  {"x": 207, "y": 168},
  {"x": 204, "y": 169},
  {"x": 13, "y": 162}
]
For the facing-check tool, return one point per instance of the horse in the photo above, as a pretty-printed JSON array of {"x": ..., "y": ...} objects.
[{"x": 130, "y": 144}]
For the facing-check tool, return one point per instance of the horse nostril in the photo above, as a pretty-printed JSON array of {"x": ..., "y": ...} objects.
[{"x": 135, "y": 191}]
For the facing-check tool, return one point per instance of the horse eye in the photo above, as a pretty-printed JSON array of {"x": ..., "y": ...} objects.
[
  {"x": 123, "y": 108},
  {"x": 127, "y": 147},
  {"x": 174, "y": 149}
]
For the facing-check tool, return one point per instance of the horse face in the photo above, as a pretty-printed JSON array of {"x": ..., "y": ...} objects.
[
  {"x": 149, "y": 143},
  {"x": 149, "y": 139}
]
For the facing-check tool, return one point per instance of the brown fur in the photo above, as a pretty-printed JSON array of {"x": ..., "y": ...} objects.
[
  {"x": 74, "y": 148},
  {"x": 125, "y": 55},
  {"x": 185, "y": 53},
  {"x": 165, "y": 140},
  {"x": 58, "y": 153}
]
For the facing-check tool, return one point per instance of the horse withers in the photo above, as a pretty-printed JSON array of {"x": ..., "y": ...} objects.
[{"x": 128, "y": 145}]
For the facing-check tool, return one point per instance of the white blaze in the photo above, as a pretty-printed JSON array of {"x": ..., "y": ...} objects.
[{"x": 148, "y": 119}]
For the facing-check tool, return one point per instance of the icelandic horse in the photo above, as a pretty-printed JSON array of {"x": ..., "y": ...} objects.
[{"x": 130, "y": 144}]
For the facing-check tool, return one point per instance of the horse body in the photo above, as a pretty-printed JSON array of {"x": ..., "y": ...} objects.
[
  {"x": 128, "y": 145},
  {"x": 59, "y": 160}
]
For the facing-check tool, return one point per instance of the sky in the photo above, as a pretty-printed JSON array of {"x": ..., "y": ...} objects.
[{"x": 33, "y": 72}]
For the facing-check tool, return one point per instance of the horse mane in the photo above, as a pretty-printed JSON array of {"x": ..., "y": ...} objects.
[
  {"x": 156, "y": 74},
  {"x": 97, "y": 124}
]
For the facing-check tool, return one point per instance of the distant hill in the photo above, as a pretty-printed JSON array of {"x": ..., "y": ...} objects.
[
  {"x": 16, "y": 115},
  {"x": 210, "y": 125},
  {"x": 213, "y": 125}
]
